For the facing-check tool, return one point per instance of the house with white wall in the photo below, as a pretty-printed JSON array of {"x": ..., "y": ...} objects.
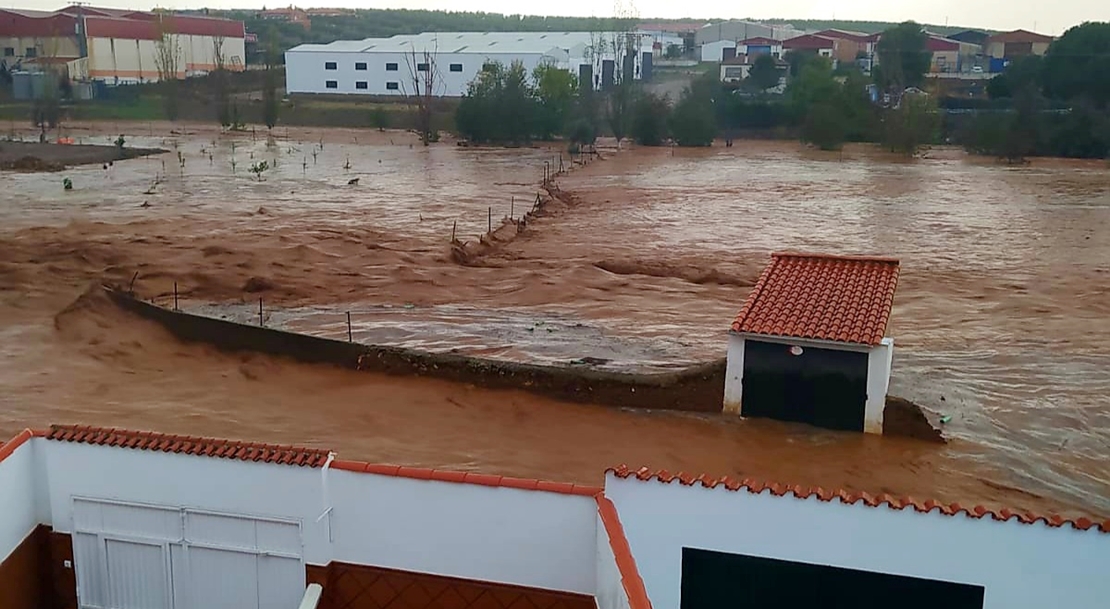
[
  {"x": 809, "y": 343},
  {"x": 95, "y": 517}
]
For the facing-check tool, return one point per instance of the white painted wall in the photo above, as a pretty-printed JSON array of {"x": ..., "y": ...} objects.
[
  {"x": 132, "y": 61},
  {"x": 714, "y": 51},
  {"x": 1021, "y": 566},
  {"x": 879, "y": 362},
  {"x": 610, "y": 593},
  {"x": 529, "y": 538},
  {"x": 18, "y": 515}
]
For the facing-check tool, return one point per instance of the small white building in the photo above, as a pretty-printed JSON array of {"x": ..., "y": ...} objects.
[
  {"x": 96, "y": 518},
  {"x": 390, "y": 66},
  {"x": 809, "y": 344}
]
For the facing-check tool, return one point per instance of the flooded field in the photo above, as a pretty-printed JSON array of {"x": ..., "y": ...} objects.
[{"x": 1001, "y": 319}]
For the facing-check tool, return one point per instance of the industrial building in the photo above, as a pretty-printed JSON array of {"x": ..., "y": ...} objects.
[
  {"x": 115, "y": 46},
  {"x": 392, "y": 66}
]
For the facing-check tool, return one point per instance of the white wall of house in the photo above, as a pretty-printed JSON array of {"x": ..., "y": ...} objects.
[
  {"x": 18, "y": 516},
  {"x": 610, "y": 593},
  {"x": 714, "y": 51},
  {"x": 1021, "y": 566},
  {"x": 879, "y": 362},
  {"x": 529, "y": 538}
]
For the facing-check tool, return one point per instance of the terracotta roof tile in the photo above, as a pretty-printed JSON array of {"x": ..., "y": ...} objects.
[
  {"x": 439, "y": 475},
  {"x": 631, "y": 581},
  {"x": 852, "y": 497},
  {"x": 837, "y": 298},
  {"x": 227, "y": 449}
]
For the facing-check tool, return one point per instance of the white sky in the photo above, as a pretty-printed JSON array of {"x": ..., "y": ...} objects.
[{"x": 1051, "y": 17}]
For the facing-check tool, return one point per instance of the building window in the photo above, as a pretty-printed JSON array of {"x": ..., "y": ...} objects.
[
  {"x": 31, "y": 52},
  {"x": 361, "y": 84},
  {"x": 332, "y": 84},
  {"x": 392, "y": 86},
  {"x": 361, "y": 66},
  {"x": 456, "y": 67},
  {"x": 9, "y": 51},
  {"x": 421, "y": 67},
  {"x": 330, "y": 65},
  {"x": 390, "y": 67}
]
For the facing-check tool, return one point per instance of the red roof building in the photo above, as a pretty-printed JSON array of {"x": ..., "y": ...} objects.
[
  {"x": 809, "y": 343},
  {"x": 809, "y": 42}
]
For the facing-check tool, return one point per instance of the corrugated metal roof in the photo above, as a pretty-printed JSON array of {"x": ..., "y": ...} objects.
[{"x": 484, "y": 43}]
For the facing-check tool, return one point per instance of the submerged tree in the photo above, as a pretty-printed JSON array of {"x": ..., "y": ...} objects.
[
  {"x": 912, "y": 125},
  {"x": 221, "y": 95},
  {"x": 421, "y": 90},
  {"x": 904, "y": 57},
  {"x": 270, "y": 106}
]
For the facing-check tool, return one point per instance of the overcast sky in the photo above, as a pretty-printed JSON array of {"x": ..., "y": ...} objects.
[{"x": 1049, "y": 17}]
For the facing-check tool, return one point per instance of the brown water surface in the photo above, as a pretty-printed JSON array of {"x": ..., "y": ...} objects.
[{"x": 1001, "y": 318}]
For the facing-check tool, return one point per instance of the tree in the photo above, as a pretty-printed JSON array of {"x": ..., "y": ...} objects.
[
  {"x": 220, "y": 91},
  {"x": 911, "y": 125},
  {"x": 694, "y": 120},
  {"x": 649, "y": 119},
  {"x": 270, "y": 107},
  {"x": 1077, "y": 65},
  {"x": 555, "y": 88},
  {"x": 904, "y": 57},
  {"x": 825, "y": 125},
  {"x": 764, "y": 73},
  {"x": 167, "y": 60},
  {"x": 425, "y": 83},
  {"x": 500, "y": 106},
  {"x": 1022, "y": 73}
]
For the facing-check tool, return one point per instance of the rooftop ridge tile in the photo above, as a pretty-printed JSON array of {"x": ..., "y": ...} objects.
[{"x": 848, "y": 497}]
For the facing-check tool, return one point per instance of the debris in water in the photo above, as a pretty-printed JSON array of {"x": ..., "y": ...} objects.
[
  {"x": 67, "y": 184},
  {"x": 945, "y": 419},
  {"x": 352, "y": 182},
  {"x": 145, "y": 204}
]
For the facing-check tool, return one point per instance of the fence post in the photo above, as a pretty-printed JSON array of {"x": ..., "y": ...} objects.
[
  {"x": 454, "y": 225},
  {"x": 260, "y": 310},
  {"x": 512, "y": 207},
  {"x": 350, "y": 336},
  {"x": 175, "y": 296},
  {"x": 489, "y": 220}
]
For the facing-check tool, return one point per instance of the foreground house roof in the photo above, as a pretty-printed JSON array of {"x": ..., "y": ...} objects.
[
  {"x": 844, "y": 299},
  {"x": 851, "y": 497}
]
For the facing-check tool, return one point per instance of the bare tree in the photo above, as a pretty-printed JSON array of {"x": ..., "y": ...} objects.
[
  {"x": 219, "y": 80},
  {"x": 167, "y": 60},
  {"x": 621, "y": 96},
  {"x": 426, "y": 84}
]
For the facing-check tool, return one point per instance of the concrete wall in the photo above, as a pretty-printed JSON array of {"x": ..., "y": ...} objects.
[
  {"x": 18, "y": 513},
  {"x": 1021, "y": 566},
  {"x": 127, "y": 61},
  {"x": 714, "y": 51},
  {"x": 52, "y": 46},
  {"x": 879, "y": 363},
  {"x": 505, "y": 535}
]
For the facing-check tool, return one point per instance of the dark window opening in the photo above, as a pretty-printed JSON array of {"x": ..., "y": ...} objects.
[
  {"x": 421, "y": 67},
  {"x": 390, "y": 67},
  {"x": 392, "y": 86},
  {"x": 332, "y": 84},
  {"x": 361, "y": 84},
  {"x": 9, "y": 51},
  {"x": 456, "y": 67},
  {"x": 711, "y": 580},
  {"x": 330, "y": 65},
  {"x": 361, "y": 65},
  {"x": 31, "y": 52}
]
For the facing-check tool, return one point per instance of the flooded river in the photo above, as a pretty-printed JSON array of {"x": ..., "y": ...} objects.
[{"x": 1001, "y": 319}]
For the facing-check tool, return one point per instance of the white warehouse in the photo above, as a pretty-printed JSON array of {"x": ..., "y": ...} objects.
[{"x": 386, "y": 66}]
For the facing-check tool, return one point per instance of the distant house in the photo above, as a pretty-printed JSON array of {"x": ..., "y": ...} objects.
[
  {"x": 813, "y": 45},
  {"x": 736, "y": 69},
  {"x": 809, "y": 344},
  {"x": 291, "y": 15},
  {"x": 718, "y": 50},
  {"x": 945, "y": 54},
  {"x": 1018, "y": 43},
  {"x": 759, "y": 46},
  {"x": 850, "y": 45}
]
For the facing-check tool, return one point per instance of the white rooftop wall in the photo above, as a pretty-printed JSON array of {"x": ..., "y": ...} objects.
[
  {"x": 529, "y": 538},
  {"x": 1021, "y": 566},
  {"x": 18, "y": 515}
]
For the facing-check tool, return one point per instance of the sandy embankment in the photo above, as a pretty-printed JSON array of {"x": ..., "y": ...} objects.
[{"x": 35, "y": 156}]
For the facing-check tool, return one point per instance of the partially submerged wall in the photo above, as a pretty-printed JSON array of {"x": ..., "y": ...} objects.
[{"x": 22, "y": 544}]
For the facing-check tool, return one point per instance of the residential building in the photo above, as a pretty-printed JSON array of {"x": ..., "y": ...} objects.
[
  {"x": 759, "y": 46},
  {"x": 735, "y": 69},
  {"x": 851, "y": 46},
  {"x": 946, "y": 55},
  {"x": 117, "y": 46},
  {"x": 387, "y": 66},
  {"x": 291, "y": 14},
  {"x": 96, "y": 517},
  {"x": 813, "y": 45}
]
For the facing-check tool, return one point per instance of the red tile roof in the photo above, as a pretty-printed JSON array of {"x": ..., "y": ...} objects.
[
  {"x": 284, "y": 455},
  {"x": 7, "y": 449},
  {"x": 845, "y": 35},
  {"x": 850, "y": 498},
  {"x": 760, "y": 41},
  {"x": 189, "y": 445},
  {"x": 809, "y": 41},
  {"x": 421, "y": 473},
  {"x": 822, "y": 297},
  {"x": 631, "y": 581}
]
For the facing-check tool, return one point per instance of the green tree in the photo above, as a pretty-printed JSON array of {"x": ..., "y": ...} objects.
[
  {"x": 825, "y": 125},
  {"x": 1077, "y": 65},
  {"x": 910, "y": 126},
  {"x": 649, "y": 119},
  {"x": 1022, "y": 73},
  {"x": 221, "y": 92},
  {"x": 904, "y": 57},
  {"x": 167, "y": 61},
  {"x": 620, "y": 103},
  {"x": 556, "y": 90},
  {"x": 500, "y": 106},
  {"x": 269, "y": 86},
  {"x": 694, "y": 119},
  {"x": 764, "y": 73}
]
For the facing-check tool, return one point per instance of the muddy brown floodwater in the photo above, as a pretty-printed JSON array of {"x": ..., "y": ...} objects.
[{"x": 1001, "y": 319}]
